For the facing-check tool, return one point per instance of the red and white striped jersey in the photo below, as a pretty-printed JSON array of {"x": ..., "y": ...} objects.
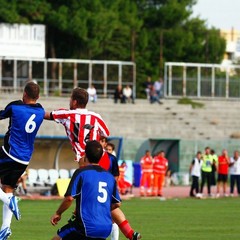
[{"x": 81, "y": 126}]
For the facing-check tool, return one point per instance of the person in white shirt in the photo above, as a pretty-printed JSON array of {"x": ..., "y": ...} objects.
[
  {"x": 195, "y": 170},
  {"x": 234, "y": 171},
  {"x": 92, "y": 92}
]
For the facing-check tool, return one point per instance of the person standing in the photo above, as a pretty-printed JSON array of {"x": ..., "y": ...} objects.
[
  {"x": 160, "y": 166},
  {"x": 94, "y": 200},
  {"x": 82, "y": 126},
  {"x": 214, "y": 167},
  {"x": 25, "y": 118},
  {"x": 147, "y": 174},
  {"x": 195, "y": 171},
  {"x": 223, "y": 163},
  {"x": 235, "y": 173},
  {"x": 207, "y": 170}
]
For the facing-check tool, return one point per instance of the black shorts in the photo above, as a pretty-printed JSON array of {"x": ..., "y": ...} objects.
[
  {"x": 10, "y": 171},
  {"x": 222, "y": 178}
]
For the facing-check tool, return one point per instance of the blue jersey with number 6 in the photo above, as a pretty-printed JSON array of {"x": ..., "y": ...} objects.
[
  {"x": 94, "y": 190},
  {"x": 24, "y": 122}
]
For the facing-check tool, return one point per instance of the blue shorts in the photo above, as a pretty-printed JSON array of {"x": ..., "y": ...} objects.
[{"x": 70, "y": 232}]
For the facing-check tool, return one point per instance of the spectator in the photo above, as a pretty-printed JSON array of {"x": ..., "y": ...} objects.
[
  {"x": 223, "y": 162},
  {"x": 160, "y": 167},
  {"x": 128, "y": 95},
  {"x": 147, "y": 85},
  {"x": 195, "y": 171},
  {"x": 147, "y": 172},
  {"x": 153, "y": 96},
  {"x": 118, "y": 94},
  {"x": 158, "y": 86},
  {"x": 92, "y": 94},
  {"x": 234, "y": 173},
  {"x": 206, "y": 171}
]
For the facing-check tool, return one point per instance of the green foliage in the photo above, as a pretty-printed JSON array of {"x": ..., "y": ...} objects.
[
  {"x": 147, "y": 32},
  {"x": 190, "y": 102}
]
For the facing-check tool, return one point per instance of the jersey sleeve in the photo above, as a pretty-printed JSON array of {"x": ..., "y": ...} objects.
[
  {"x": 103, "y": 127},
  {"x": 115, "y": 196},
  {"x": 74, "y": 185},
  {"x": 60, "y": 115},
  {"x": 7, "y": 112},
  {"x": 115, "y": 168}
]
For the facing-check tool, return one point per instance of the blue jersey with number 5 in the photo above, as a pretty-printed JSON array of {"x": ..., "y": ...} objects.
[
  {"x": 95, "y": 190},
  {"x": 24, "y": 122}
]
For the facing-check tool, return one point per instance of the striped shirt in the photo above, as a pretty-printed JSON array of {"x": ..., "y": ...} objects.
[{"x": 81, "y": 126}]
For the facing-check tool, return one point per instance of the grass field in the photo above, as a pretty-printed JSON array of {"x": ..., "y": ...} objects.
[{"x": 156, "y": 220}]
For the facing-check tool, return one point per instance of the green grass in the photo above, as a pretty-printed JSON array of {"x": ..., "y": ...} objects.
[
  {"x": 190, "y": 102},
  {"x": 156, "y": 220}
]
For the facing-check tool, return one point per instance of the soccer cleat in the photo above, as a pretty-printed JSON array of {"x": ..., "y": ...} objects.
[
  {"x": 5, "y": 233},
  {"x": 13, "y": 206},
  {"x": 136, "y": 236}
]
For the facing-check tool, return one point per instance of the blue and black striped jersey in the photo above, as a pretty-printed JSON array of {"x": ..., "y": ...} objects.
[
  {"x": 94, "y": 190},
  {"x": 24, "y": 122}
]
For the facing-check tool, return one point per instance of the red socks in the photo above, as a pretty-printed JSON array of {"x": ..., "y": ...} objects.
[{"x": 126, "y": 229}]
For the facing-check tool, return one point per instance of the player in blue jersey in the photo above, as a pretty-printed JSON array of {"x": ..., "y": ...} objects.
[
  {"x": 25, "y": 117},
  {"x": 94, "y": 200}
]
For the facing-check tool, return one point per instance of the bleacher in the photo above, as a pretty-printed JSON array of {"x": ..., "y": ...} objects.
[{"x": 216, "y": 121}]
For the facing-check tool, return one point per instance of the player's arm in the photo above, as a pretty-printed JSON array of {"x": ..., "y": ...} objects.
[
  {"x": 115, "y": 205},
  {"x": 48, "y": 116},
  {"x": 66, "y": 203}
]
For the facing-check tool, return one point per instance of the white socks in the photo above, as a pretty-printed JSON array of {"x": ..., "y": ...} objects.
[
  {"x": 7, "y": 213},
  {"x": 115, "y": 232}
]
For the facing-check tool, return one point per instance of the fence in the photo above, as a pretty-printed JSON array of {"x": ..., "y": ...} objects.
[
  {"x": 202, "y": 80},
  {"x": 60, "y": 76}
]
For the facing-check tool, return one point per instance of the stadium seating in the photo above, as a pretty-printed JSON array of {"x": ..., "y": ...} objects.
[
  {"x": 43, "y": 177},
  {"x": 32, "y": 177},
  {"x": 63, "y": 173},
  {"x": 53, "y": 176}
]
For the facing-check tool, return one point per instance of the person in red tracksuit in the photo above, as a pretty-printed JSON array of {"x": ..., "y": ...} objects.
[
  {"x": 147, "y": 172},
  {"x": 160, "y": 166}
]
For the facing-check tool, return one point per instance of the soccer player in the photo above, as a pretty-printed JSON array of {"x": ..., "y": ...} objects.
[
  {"x": 109, "y": 162},
  {"x": 94, "y": 199},
  {"x": 25, "y": 117},
  {"x": 82, "y": 126}
]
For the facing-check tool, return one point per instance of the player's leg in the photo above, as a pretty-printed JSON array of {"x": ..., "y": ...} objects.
[
  {"x": 142, "y": 184},
  {"x": 120, "y": 219},
  {"x": 115, "y": 232}
]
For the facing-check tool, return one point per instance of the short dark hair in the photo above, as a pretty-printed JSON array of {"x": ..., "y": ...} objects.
[
  {"x": 81, "y": 96},
  {"x": 111, "y": 145},
  {"x": 32, "y": 89},
  {"x": 93, "y": 151}
]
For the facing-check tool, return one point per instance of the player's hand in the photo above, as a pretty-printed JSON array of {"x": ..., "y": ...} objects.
[{"x": 55, "y": 219}]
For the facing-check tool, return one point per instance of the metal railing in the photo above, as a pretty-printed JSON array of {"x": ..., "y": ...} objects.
[
  {"x": 60, "y": 76},
  {"x": 197, "y": 80}
]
